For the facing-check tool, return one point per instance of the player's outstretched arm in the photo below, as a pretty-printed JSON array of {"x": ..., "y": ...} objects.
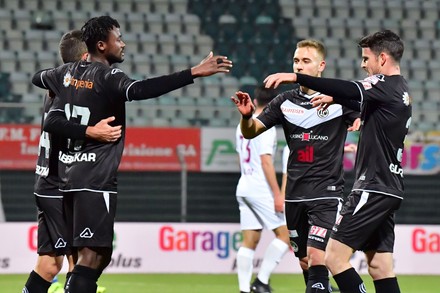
[
  {"x": 250, "y": 127},
  {"x": 211, "y": 65},
  {"x": 274, "y": 80}
]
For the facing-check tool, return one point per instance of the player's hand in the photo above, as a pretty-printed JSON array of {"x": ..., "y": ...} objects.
[
  {"x": 104, "y": 132},
  {"x": 212, "y": 65},
  {"x": 244, "y": 103},
  {"x": 356, "y": 125},
  {"x": 350, "y": 148},
  {"x": 322, "y": 102},
  {"x": 274, "y": 80},
  {"x": 279, "y": 204}
]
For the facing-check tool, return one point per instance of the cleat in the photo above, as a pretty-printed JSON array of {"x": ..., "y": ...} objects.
[
  {"x": 56, "y": 287},
  {"x": 258, "y": 287},
  {"x": 101, "y": 289}
]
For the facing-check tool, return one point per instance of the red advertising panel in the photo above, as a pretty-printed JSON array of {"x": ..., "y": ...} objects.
[
  {"x": 156, "y": 149},
  {"x": 146, "y": 149},
  {"x": 18, "y": 146}
]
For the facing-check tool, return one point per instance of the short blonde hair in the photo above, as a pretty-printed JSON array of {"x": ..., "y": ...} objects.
[{"x": 319, "y": 46}]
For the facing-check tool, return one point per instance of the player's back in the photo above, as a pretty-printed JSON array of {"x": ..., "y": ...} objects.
[
  {"x": 253, "y": 180},
  {"x": 91, "y": 92}
]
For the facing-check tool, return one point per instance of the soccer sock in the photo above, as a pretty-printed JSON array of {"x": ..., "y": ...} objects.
[
  {"x": 67, "y": 279},
  {"x": 274, "y": 252},
  {"x": 388, "y": 285},
  {"x": 245, "y": 256},
  {"x": 349, "y": 281},
  {"x": 306, "y": 276},
  {"x": 36, "y": 284},
  {"x": 82, "y": 280},
  {"x": 318, "y": 279}
]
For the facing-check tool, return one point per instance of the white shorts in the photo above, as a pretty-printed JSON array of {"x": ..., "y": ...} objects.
[{"x": 259, "y": 213}]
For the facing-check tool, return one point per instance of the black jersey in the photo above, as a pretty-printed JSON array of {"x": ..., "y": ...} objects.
[
  {"x": 316, "y": 142},
  {"x": 386, "y": 116},
  {"x": 89, "y": 92},
  {"x": 46, "y": 172}
]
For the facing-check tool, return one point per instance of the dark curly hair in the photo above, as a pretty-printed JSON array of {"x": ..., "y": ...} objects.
[{"x": 97, "y": 29}]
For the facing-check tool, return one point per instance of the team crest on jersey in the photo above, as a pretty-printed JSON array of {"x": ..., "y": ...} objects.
[
  {"x": 323, "y": 113},
  {"x": 67, "y": 79},
  {"x": 406, "y": 99}
]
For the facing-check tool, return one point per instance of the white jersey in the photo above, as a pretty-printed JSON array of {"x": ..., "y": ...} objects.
[
  {"x": 285, "y": 158},
  {"x": 253, "y": 182}
]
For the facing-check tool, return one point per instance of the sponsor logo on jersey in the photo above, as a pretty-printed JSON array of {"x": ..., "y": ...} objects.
[
  {"x": 86, "y": 233},
  {"x": 60, "y": 243},
  {"x": 68, "y": 80},
  {"x": 77, "y": 157},
  {"x": 306, "y": 155},
  {"x": 42, "y": 171},
  {"x": 394, "y": 168},
  {"x": 293, "y": 233},
  {"x": 368, "y": 82},
  {"x": 115, "y": 70},
  {"x": 406, "y": 99},
  {"x": 292, "y": 110},
  {"x": 323, "y": 113},
  {"x": 308, "y": 136},
  {"x": 318, "y": 231}
]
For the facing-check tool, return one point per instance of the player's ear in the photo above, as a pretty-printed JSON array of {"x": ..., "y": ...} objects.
[
  {"x": 100, "y": 46},
  {"x": 322, "y": 66}
]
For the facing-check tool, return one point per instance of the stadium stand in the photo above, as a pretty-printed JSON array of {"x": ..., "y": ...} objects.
[{"x": 258, "y": 35}]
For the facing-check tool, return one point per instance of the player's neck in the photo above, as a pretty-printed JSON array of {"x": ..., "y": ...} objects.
[
  {"x": 97, "y": 58},
  {"x": 306, "y": 90}
]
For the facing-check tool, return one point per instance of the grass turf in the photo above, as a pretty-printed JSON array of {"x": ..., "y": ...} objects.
[{"x": 198, "y": 283}]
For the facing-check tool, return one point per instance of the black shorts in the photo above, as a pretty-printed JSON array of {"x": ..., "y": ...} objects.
[
  {"x": 52, "y": 227},
  {"x": 310, "y": 223},
  {"x": 366, "y": 221},
  {"x": 90, "y": 217}
]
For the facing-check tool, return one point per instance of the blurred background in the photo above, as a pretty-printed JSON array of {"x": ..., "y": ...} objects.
[{"x": 180, "y": 162}]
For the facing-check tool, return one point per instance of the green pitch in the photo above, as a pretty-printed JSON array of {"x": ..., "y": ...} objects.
[{"x": 196, "y": 283}]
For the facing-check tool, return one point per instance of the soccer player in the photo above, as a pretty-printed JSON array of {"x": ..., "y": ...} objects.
[
  {"x": 87, "y": 92},
  {"x": 52, "y": 237},
  {"x": 366, "y": 221},
  {"x": 315, "y": 171},
  {"x": 260, "y": 202}
]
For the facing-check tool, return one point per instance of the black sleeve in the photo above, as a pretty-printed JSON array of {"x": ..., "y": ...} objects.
[
  {"x": 343, "y": 92},
  {"x": 157, "y": 86},
  {"x": 57, "y": 123},
  {"x": 37, "y": 80},
  {"x": 351, "y": 104}
]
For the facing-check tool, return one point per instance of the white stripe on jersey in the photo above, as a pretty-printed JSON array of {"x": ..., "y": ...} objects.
[{"x": 307, "y": 118}]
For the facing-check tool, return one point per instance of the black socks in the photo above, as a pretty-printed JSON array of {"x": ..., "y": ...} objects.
[
  {"x": 82, "y": 280},
  {"x": 36, "y": 284},
  {"x": 349, "y": 281},
  {"x": 388, "y": 285},
  {"x": 318, "y": 281}
]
